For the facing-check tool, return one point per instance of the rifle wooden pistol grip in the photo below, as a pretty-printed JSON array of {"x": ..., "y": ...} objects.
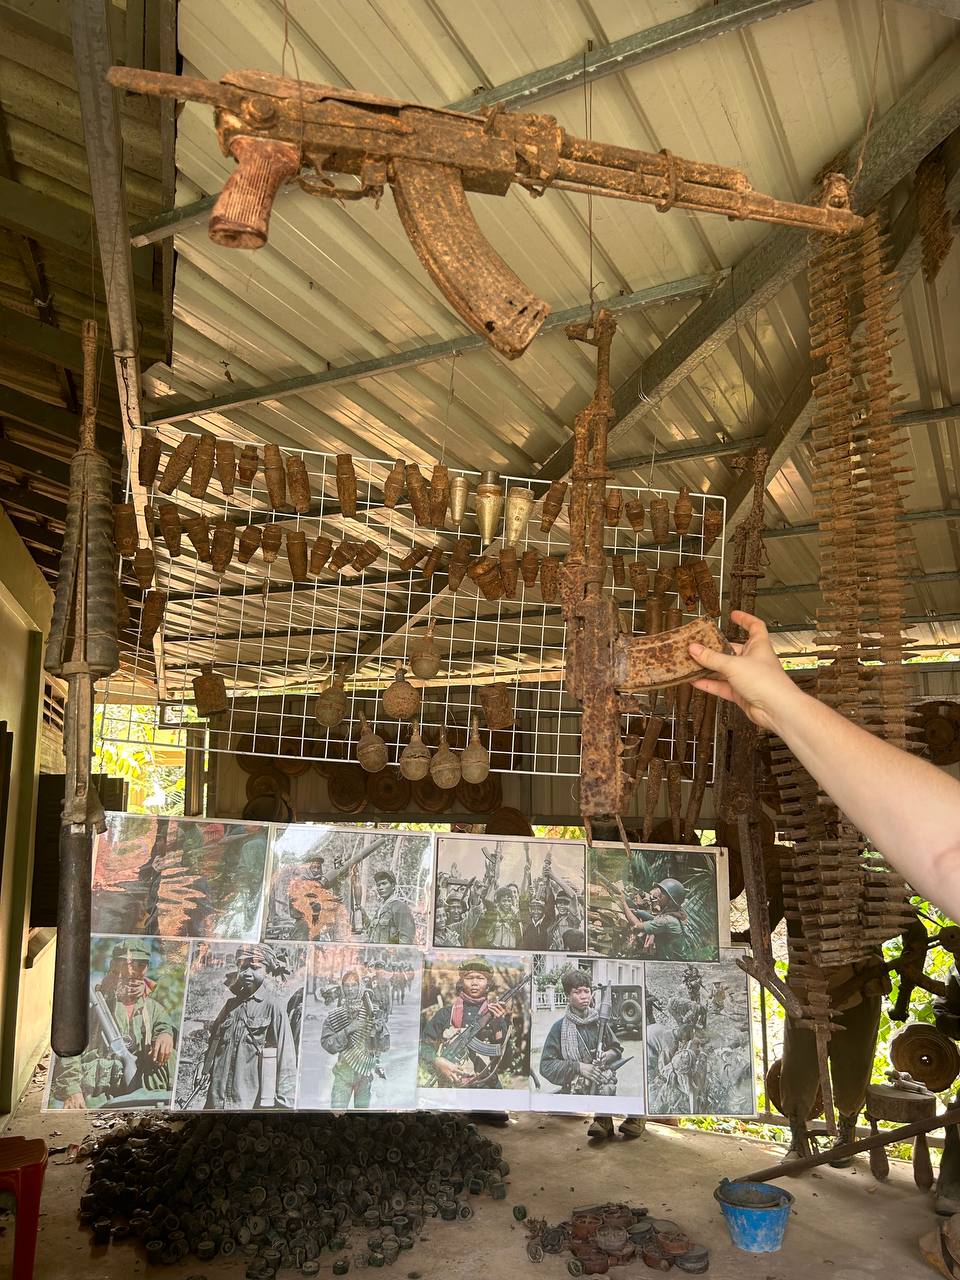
[
  {"x": 473, "y": 278},
  {"x": 658, "y": 661},
  {"x": 240, "y": 218}
]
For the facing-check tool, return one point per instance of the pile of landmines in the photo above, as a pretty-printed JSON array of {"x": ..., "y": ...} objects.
[
  {"x": 283, "y": 1190},
  {"x": 611, "y": 1235}
]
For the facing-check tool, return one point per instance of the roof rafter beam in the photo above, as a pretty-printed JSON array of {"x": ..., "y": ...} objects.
[
  {"x": 908, "y": 517},
  {"x": 916, "y": 580},
  {"x": 51, "y": 418},
  {"x": 927, "y": 114}
]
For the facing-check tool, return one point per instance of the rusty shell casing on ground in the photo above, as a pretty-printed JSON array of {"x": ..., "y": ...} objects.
[
  {"x": 640, "y": 578},
  {"x": 297, "y": 554},
  {"x": 178, "y": 464},
  {"x": 497, "y": 703},
  {"x": 197, "y": 529},
  {"x": 674, "y": 797},
  {"x": 249, "y": 543},
  {"x": 485, "y": 572},
  {"x": 368, "y": 553},
  {"x": 635, "y": 514},
  {"x": 488, "y": 503},
  {"x": 651, "y": 794},
  {"x": 320, "y": 553},
  {"x": 226, "y": 466},
  {"x": 439, "y": 495},
  {"x": 460, "y": 560},
  {"x": 346, "y": 485},
  {"x": 432, "y": 562},
  {"x": 201, "y": 468},
  {"x": 209, "y": 691},
  {"x": 712, "y": 527},
  {"x": 706, "y": 588},
  {"x": 660, "y": 520},
  {"x": 413, "y": 558},
  {"x": 516, "y": 515},
  {"x": 552, "y": 504},
  {"x": 619, "y": 570},
  {"x": 151, "y": 615},
  {"x": 418, "y": 493},
  {"x": 613, "y": 507},
  {"x": 549, "y": 579},
  {"x": 275, "y": 476},
  {"x": 682, "y": 511},
  {"x": 343, "y": 553},
  {"x": 148, "y": 458},
  {"x": 394, "y": 484},
  {"x": 686, "y": 587},
  {"x": 144, "y": 567},
  {"x": 125, "y": 532},
  {"x": 270, "y": 542},
  {"x": 221, "y": 550},
  {"x": 248, "y": 464},
  {"x": 171, "y": 530},
  {"x": 459, "y": 493},
  {"x": 298, "y": 484},
  {"x": 509, "y": 569},
  {"x": 530, "y": 566}
]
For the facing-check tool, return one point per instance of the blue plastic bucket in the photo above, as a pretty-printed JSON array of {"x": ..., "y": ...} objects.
[{"x": 756, "y": 1214}]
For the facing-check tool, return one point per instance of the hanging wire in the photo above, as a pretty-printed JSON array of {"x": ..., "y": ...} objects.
[
  {"x": 873, "y": 96},
  {"x": 446, "y": 420},
  {"x": 288, "y": 44}
]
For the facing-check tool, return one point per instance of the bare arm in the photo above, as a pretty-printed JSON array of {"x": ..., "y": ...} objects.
[{"x": 909, "y": 809}]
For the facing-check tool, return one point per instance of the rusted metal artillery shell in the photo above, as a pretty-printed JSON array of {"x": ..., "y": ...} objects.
[
  {"x": 619, "y": 570},
  {"x": 415, "y": 757},
  {"x": 648, "y": 747},
  {"x": 320, "y": 553},
  {"x": 297, "y": 554},
  {"x": 331, "y": 703},
  {"x": 613, "y": 506},
  {"x": 530, "y": 566},
  {"x": 209, "y": 691},
  {"x": 439, "y": 495},
  {"x": 125, "y": 533},
  {"x": 682, "y": 511},
  {"x": 497, "y": 704},
  {"x": 432, "y": 562},
  {"x": 178, "y": 463},
  {"x": 475, "y": 759},
  {"x": 298, "y": 484},
  {"x": 684, "y": 694},
  {"x": 202, "y": 467},
  {"x": 673, "y": 794},
  {"x": 151, "y": 616},
  {"x": 368, "y": 553},
  {"x": 418, "y": 493},
  {"x": 371, "y": 749},
  {"x": 549, "y": 579},
  {"x": 270, "y": 542},
  {"x": 275, "y": 476},
  {"x": 226, "y": 466},
  {"x": 640, "y": 578},
  {"x": 413, "y": 558},
  {"x": 509, "y": 569},
  {"x": 706, "y": 588},
  {"x": 485, "y": 572},
  {"x": 635, "y": 514},
  {"x": 144, "y": 567},
  {"x": 221, "y": 549},
  {"x": 459, "y": 563},
  {"x": 660, "y": 520},
  {"x": 651, "y": 794},
  {"x": 424, "y": 654},
  {"x": 459, "y": 492},
  {"x": 248, "y": 464},
  {"x": 250, "y": 539},
  {"x": 343, "y": 553},
  {"x": 150, "y": 521},
  {"x": 489, "y": 505},
  {"x": 653, "y": 615},
  {"x": 712, "y": 526},
  {"x": 552, "y": 504},
  {"x": 346, "y": 485},
  {"x": 394, "y": 484},
  {"x": 445, "y": 765},
  {"x": 148, "y": 458},
  {"x": 516, "y": 515},
  {"x": 686, "y": 587},
  {"x": 197, "y": 529},
  {"x": 663, "y": 579}
]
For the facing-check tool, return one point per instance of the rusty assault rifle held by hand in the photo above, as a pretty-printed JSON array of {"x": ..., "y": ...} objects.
[{"x": 278, "y": 130}]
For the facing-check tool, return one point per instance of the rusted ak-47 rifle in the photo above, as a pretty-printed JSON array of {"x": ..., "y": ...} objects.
[
  {"x": 278, "y": 129},
  {"x": 606, "y": 668}
]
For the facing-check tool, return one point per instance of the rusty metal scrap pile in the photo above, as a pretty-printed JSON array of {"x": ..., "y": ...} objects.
[
  {"x": 844, "y": 908},
  {"x": 287, "y": 1193}
]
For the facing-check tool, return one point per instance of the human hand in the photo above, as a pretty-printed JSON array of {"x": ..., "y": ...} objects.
[
  {"x": 75, "y": 1102},
  {"x": 752, "y": 676},
  {"x": 589, "y": 1072},
  {"x": 162, "y": 1048},
  {"x": 497, "y": 1008},
  {"x": 610, "y": 1055},
  {"x": 449, "y": 1070}
]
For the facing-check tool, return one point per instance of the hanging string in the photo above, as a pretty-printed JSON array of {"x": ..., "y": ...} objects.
[
  {"x": 873, "y": 96},
  {"x": 288, "y": 44},
  {"x": 446, "y": 421}
]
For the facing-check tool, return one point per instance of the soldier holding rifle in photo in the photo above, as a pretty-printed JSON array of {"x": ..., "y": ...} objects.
[
  {"x": 392, "y": 923},
  {"x": 464, "y": 1042},
  {"x": 656, "y": 919},
  {"x": 358, "y": 1034}
]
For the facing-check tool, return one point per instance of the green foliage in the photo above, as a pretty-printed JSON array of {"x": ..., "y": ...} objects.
[{"x": 125, "y": 741}]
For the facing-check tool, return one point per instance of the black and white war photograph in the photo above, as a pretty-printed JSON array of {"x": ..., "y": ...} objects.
[
  {"x": 699, "y": 1041},
  {"x": 656, "y": 903},
  {"x": 586, "y": 1042},
  {"x": 241, "y": 1027},
  {"x": 474, "y": 1031},
  {"x": 360, "y": 1034},
  {"x": 510, "y": 895},
  {"x": 330, "y": 884},
  {"x": 136, "y": 1001}
]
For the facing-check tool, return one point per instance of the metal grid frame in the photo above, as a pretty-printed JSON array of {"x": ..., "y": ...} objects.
[{"x": 277, "y": 642}]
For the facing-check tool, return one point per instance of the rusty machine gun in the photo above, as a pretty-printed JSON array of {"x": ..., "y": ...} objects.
[{"x": 279, "y": 129}]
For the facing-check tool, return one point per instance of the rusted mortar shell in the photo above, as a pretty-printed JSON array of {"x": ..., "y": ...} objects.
[
  {"x": 432, "y": 562},
  {"x": 298, "y": 484},
  {"x": 549, "y": 579},
  {"x": 459, "y": 492},
  {"x": 151, "y": 616},
  {"x": 706, "y": 588},
  {"x": 663, "y": 579},
  {"x": 297, "y": 554},
  {"x": 197, "y": 529},
  {"x": 346, "y": 485},
  {"x": 248, "y": 464},
  {"x": 275, "y": 476},
  {"x": 221, "y": 550},
  {"x": 171, "y": 530},
  {"x": 686, "y": 587},
  {"x": 640, "y": 578},
  {"x": 320, "y": 552},
  {"x": 413, "y": 558},
  {"x": 343, "y": 553},
  {"x": 209, "y": 691},
  {"x": 249, "y": 543},
  {"x": 369, "y": 551},
  {"x": 148, "y": 459},
  {"x": 459, "y": 563},
  {"x": 125, "y": 533},
  {"x": 439, "y": 495},
  {"x": 394, "y": 484},
  {"x": 552, "y": 504},
  {"x": 509, "y": 569},
  {"x": 270, "y": 542},
  {"x": 144, "y": 567},
  {"x": 653, "y": 616},
  {"x": 635, "y": 513},
  {"x": 226, "y": 465},
  {"x": 497, "y": 705},
  {"x": 682, "y": 511},
  {"x": 613, "y": 507},
  {"x": 619, "y": 570},
  {"x": 178, "y": 463},
  {"x": 530, "y": 566},
  {"x": 418, "y": 494},
  {"x": 202, "y": 467},
  {"x": 660, "y": 520},
  {"x": 486, "y": 574},
  {"x": 712, "y": 527}
]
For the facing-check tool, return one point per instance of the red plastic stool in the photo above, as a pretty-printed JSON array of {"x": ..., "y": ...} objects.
[{"x": 23, "y": 1162}]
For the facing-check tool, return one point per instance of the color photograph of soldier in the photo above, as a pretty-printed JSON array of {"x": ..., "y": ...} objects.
[
  {"x": 332, "y": 884},
  {"x": 179, "y": 877},
  {"x": 698, "y": 1040},
  {"x": 136, "y": 998},
  {"x": 475, "y": 1023},
  {"x": 241, "y": 1027},
  {"x": 653, "y": 903},
  {"x": 359, "y": 1041},
  {"x": 586, "y": 1047},
  {"x": 510, "y": 895}
]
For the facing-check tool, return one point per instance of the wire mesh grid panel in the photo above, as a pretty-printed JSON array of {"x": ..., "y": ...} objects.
[{"x": 278, "y": 570}]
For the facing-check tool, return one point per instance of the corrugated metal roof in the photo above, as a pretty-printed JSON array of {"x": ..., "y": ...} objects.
[{"x": 337, "y": 284}]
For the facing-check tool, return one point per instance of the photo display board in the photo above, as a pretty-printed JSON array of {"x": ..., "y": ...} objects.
[{"x": 241, "y": 966}]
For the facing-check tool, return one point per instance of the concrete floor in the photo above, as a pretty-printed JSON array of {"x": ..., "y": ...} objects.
[{"x": 845, "y": 1225}]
